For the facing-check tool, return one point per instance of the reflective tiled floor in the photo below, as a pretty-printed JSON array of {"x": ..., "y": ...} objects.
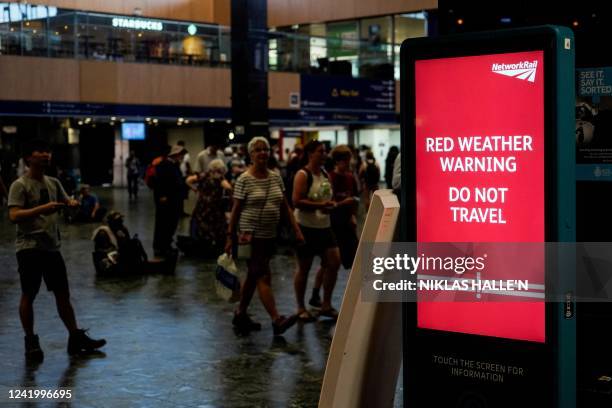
[{"x": 170, "y": 338}]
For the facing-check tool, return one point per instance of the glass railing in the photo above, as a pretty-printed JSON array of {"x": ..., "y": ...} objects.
[
  {"x": 46, "y": 31},
  {"x": 327, "y": 55}
]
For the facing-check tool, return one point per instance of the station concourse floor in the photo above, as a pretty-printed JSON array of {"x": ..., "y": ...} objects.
[{"x": 170, "y": 337}]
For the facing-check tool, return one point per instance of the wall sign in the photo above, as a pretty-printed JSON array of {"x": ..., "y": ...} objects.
[
  {"x": 594, "y": 123},
  {"x": 137, "y": 24},
  {"x": 13, "y": 12}
]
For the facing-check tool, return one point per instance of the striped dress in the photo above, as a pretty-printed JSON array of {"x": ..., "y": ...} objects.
[{"x": 261, "y": 203}]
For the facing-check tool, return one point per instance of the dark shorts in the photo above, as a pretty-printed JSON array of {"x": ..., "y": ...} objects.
[
  {"x": 262, "y": 250},
  {"x": 318, "y": 240},
  {"x": 35, "y": 265}
]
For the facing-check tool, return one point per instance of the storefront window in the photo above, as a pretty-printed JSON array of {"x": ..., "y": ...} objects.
[
  {"x": 318, "y": 45},
  {"x": 34, "y": 37},
  {"x": 98, "y": 39},
  {"x": 106, "y": 37},
  {"x": 282, "y": 49},
  {"x": 199, "y": 47},
  {"x": 61, "y": 34},
  {"x": 10, "y": 35},
  {"x": 359, "y": 48},
  {"x": 23, "y": 28},
  {"x": 343, "y": 48},
  {"x": 376, "y": 48},
  {"x": 410, "y": 25},
  {"x": 225, "y": 45},
  {"x": 48, "y": 31}
]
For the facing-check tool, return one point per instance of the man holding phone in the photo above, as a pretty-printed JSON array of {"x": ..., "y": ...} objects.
[{"x": 34, "y": 201}]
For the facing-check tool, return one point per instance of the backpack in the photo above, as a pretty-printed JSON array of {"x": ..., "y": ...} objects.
[
  {"x": 309, "y": 178},
  {"x": 371, "y": 174},
  {"x": 149, "y": 177}
]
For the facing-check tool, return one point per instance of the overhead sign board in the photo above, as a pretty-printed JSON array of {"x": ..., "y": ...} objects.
[{"x": 347, "y": 94}]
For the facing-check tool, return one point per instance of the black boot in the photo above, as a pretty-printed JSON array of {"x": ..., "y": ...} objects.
[
  {"x": 33, "y": 352},
  {"x": 79, "y": 342}
]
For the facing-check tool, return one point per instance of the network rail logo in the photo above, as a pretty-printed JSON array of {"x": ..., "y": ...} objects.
[{"x": 524, "y": 70}]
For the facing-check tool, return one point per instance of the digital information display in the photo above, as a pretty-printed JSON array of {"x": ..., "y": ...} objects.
[
  {"x": 133, "y": 131},
  {"x": 480, "y": 175},
  {"x": 487, "y": 169}
]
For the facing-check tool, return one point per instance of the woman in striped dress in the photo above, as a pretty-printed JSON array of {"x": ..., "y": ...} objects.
[{"x": 258, "y": 202}]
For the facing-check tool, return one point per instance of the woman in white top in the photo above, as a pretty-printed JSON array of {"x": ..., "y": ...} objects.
[
  {"x": 259, "y": 200},
  {"x": 312, "y": 197}
]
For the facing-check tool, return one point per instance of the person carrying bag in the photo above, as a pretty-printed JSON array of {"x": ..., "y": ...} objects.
[
  {"x": 245, "y": 238},
  {"x": 258, "y": 202},
  {"x": 227, "y": 282}
]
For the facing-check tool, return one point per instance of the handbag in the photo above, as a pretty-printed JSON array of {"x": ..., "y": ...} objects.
[
  {"x": 244, "y": 244},
  {"x": 227, "y": 282},
  {"x": 245, "y": 238}
]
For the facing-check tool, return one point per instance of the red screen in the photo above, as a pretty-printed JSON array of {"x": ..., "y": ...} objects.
[{"x": 480, "y": 174}]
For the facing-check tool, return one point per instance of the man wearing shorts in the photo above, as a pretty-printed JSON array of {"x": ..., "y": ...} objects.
[{"x": 34, "y": 200}]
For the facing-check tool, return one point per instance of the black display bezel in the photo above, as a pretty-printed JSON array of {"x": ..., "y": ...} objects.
[{"x": 535, "y": 39}]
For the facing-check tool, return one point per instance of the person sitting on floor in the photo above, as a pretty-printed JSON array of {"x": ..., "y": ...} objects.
[
  {"x": 115, "y": 251},
  {"x": 90, "y": 209}
]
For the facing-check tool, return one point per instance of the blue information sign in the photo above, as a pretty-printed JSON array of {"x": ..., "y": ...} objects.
[{"x": 346, "y": 93}]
